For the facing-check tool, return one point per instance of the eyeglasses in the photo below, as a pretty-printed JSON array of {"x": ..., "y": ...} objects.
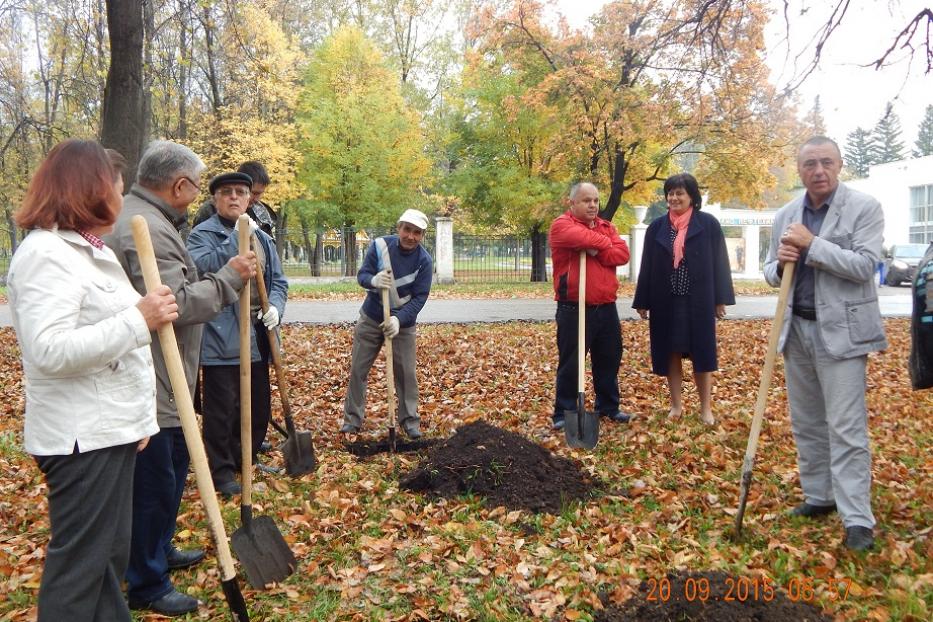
[
  {"x": 228, "y": 191},
  {"x": 196, "y": 186}
]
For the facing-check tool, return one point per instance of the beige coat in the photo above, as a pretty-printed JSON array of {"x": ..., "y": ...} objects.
[{"x": 199, "y": 298}]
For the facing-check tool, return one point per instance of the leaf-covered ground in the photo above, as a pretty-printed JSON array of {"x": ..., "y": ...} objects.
[{"x": 370, "y": 551}]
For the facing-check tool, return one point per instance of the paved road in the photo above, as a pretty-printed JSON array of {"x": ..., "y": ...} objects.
[{"x": 895, "y": 302}]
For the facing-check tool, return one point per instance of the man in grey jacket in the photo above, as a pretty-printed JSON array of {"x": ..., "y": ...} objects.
[
  {"x": 833, "y": 234},
  {"x": 168, "y": 180}
]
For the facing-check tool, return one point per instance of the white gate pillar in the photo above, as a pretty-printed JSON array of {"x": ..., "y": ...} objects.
[
  {"x": 444, "y": 249},
  {"x": 637, "y": 236}
]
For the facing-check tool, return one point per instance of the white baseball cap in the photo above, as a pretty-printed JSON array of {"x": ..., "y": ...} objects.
[{"x": 415, "y": 217}]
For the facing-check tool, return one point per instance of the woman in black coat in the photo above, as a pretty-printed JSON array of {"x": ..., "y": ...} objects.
[{"x": 684, "y": 285}]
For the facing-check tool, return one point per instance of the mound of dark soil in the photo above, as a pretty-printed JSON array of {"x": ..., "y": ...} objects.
[
  {"x": 710, "y": 597},
  {"x": 502, "y": 467},
  {"x": 366, "y": 449}
]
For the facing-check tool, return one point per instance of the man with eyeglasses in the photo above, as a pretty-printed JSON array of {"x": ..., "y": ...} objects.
[
  {"x": 168, "y": 180},
  {"x": 259, "y": 211},
  {"x": 211, "y": 244},
  {"x": 833, "y": 235}
]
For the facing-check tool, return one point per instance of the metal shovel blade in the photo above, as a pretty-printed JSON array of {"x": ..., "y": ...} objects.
[
  {"x": 263, "y": 552},
  {"x": 235, "y": 600},
  {"x": 581, "y": 427},
  {"x": 299, "y": 454}
]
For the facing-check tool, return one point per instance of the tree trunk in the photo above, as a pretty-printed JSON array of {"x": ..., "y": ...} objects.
[
  {"x": 281, "y": 231},
  {"x": 538, "y": 254},
  {"x": 309, "y": 252},
  {"x": 616, "y": 186},
  {"x": 317, "y": 261},
  {"x": 349, "y": 251},
  {"x": 123, "y": 126}
]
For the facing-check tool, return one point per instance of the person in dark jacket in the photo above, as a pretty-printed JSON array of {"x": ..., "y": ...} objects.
[
  {"x": 683, "y": 287},
  {"x": 400, "y": 264},
  {"x": 212, "y": 244},
  {"x": 921, "y": 324},
  {"x": 581, "y": 229}
]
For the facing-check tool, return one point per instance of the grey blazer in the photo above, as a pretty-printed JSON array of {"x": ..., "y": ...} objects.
[{"x": 844, "y": 257}]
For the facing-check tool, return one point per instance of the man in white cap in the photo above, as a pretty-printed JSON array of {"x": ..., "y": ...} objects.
[{"x": 400, "y": 264}]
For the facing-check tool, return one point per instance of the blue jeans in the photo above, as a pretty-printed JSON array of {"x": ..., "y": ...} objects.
[{"x": 158, "y": 484}]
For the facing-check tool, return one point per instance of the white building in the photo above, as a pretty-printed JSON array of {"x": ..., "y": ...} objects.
[{"x": 905, "y": 189}]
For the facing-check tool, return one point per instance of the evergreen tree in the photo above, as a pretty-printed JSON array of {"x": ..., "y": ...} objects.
[
  {"x": 886, "y": 142},
  {"x": 925, "y": 135},
  {"x": 858, "y": 152}
]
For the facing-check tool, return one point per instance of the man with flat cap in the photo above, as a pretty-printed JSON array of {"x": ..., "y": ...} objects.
[
  {"x": 400, "y": 264},
  {"x": 211, "y": 244}
]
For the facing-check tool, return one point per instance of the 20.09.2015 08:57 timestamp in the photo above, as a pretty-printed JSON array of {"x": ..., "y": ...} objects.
[{"x": 743, "y": 589}]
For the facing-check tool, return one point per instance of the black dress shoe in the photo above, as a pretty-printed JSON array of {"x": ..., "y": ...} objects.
[
  {"x": 265, "y": 447},
  {"x": 172, "y": 604},
  {"x": 413, "y": 432},
  {"x": 617, "y": 417},
  {"x": 859, "y": 538},
  {"x": 228, "y": 489},
  {"x": 812, "y": 511},
  {"x": 558, "y": 424},
  {"x": 182, "y": 559},
  {"x": 349, "y": 428}
]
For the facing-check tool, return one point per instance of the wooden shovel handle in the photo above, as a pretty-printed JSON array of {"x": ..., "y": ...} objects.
[
  {"x": 275, "y": 351},
  {"x": 189, "y": 424},
  {"x": 390, "y": 360},
  {"x": 581, "y": 325},
  {"x": 246, "y": 364}
]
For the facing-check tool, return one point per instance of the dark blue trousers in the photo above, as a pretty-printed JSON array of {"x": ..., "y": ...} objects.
[
  {"x": 158, "y": 484},
  {"x": 603, "y": 340}
]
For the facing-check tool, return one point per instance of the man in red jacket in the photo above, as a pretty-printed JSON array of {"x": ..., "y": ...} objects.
[{"x": 581, "y": 229}]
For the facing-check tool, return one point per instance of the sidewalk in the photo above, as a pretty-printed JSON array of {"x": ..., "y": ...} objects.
[{"x": 895, "y": 302}]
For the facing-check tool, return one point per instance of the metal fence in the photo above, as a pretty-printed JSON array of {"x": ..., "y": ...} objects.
[{"x": 476, "y": 258}]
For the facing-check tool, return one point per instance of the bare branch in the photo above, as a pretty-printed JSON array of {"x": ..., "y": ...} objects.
[{"x": 905, "y": 40}]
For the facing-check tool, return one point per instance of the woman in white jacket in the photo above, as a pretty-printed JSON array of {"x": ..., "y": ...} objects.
[{"x": 84, "y": 333}]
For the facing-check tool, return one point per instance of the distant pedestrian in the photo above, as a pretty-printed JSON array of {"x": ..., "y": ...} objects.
[
  {"x": 833, "y": 235},
  {"x": 684, "y": 285},
  {"x": 581, "y": 229},
  {"x": 400, "y": 264}
]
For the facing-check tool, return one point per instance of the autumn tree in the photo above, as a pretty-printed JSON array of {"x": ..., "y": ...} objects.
[
  {"x": 886, "y": 142},
  {"x": 924, "y": 142},
  {"x": 363, "y": 147},
  {"x": 859, "y": 154}
]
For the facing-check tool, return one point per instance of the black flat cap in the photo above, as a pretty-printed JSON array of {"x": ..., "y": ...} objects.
[{"x": 226, "y": 179}]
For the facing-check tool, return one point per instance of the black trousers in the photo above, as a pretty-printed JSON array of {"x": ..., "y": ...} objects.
[
  {"x": 603, "y": 340},
  {"x": 90, "y": 510},
  {"x": 221, "y": 412}
]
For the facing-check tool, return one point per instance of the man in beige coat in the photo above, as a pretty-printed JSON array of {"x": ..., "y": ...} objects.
[{"x": 168, "y": 181}]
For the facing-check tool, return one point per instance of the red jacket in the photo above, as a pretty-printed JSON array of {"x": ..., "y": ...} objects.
[{"x": 569, "y": 236}]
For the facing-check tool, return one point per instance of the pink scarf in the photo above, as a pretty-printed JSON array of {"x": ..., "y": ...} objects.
[{"x": 680, "y": 224}]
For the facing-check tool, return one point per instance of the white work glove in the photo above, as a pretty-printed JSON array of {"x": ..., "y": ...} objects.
[
  {"x": 390, "y": 327},
  {"x": 381, "y": 280},
  {"x": 270, "y": 318},
  {"x": 253, "y": 227}
]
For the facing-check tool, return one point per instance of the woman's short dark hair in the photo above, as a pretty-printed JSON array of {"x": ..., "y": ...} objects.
[
  {"x": 72, "y": 188},
  {"x": 689, "y": 183}
]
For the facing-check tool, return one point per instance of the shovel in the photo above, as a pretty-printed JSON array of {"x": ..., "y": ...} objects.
[
  {"x": 390, "y": 370},
  {"x": 762, "y": 400},
  {"x": 258, "y": 543},
  {"x": 299, "y": 448},
  {"x": 189, "y": 425},
  {"x": 581, "y": 427}
]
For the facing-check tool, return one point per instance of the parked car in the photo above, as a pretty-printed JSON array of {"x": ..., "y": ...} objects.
[{"x": 901, "y": 262}]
